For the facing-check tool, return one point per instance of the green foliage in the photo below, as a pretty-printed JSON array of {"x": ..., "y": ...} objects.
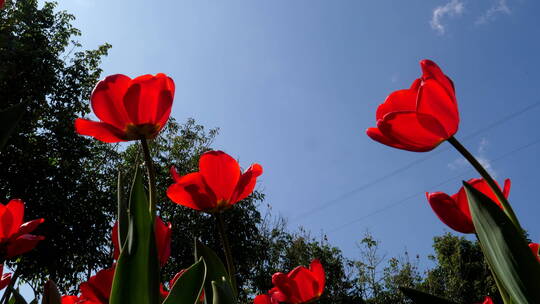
[
  {"x": 188, "y": 288},
  {"x": 136, "y": 278},
  {"x": 61, "y": 176},
  {"x": 284, "y": 251},
  {"x": 460, "y": 273}
]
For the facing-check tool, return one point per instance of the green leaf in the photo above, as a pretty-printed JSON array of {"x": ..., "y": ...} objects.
[
  {"x": 17, "y": 298},
  {"x": 420, "y": 297},
  {"x": 187, "y": 289},
  {"x": 505, "y": 249},
  {"x": 136, "y": 279},
  {"x": 51, "y": 295},
  {"x": 215, "y": 268},
  {"x": 9, "y": 118},
  {"x": 222, "y": 292},
  {"x": 123, "y": 218}
]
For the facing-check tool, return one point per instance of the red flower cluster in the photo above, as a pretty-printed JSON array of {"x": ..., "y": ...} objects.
[
  {"x": 421, "y": 117},
  {"x": 217, "y": 186},
  {"x": 129, "y": 109},
  {"x": 5, "y": 278},
  {"x": 163, "y": 240},
  {"x": 15, "y": 237},
  {"x": 301, "y": 285},
  {"x": 454, "y": 210}
]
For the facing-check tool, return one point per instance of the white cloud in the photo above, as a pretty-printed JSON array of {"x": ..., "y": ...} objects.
[
  {"x": 500, "y": 7},
  {"x": 480, "y": 155},
  {"x": 452, "y": 8}
]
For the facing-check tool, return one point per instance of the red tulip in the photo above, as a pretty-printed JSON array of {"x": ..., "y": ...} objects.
[
  {"x": 301, "y": 285},
  {"x": 535, "y": 248},
  {"x": 14, "y": 235},
  {"x": 421, "y": 117},
  {"x": 129, "y": 109},
  {"x": 163, "y": 240},
  {"x": 454, "y": 210},
  {"x": 98, "y": 288},
  {"x": 487, "y": 300},
  {"x": 5, "y": 278},
  {"x": 2, "y": 2},
  {"x": 217, "y": 186}
]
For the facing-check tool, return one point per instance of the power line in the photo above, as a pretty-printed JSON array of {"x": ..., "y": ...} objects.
[
  {"x": 362, "y": 187},
  {"x": 401, "y": 201}
]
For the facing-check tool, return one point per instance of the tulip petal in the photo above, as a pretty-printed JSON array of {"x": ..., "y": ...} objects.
[
  {"x": 22, "y": 244},
  {"x": 11, "y": 216},
  {"x": 287, "y": 286},
  {"x": 149, "y": 99},
  {"x": 29, "y": 226},
  {"x": 306, "y": 284},
  {"x": 317, "y": 270},
  {"x": 163, "y": 240},
  {"x": 376, "y": 135},
  {"x": 191, "y": 191},
  {"x": 116, "y": 240},
  {"x": 262, "y": 299},
  {"x": 98, "y": 288},
  {"x": 507, "y": 185},
  {"x": 434, "y": 101},
  {"x": 99, "y": 130},
  {"x": 221, "y": 173},
  {"x": 246, "y": 183},
  {"x": 406, "y": 129},
  {"x": 430, "y": 70},
  {"x": 107, "y": 100},
  {"x": 398, "y": 101},
  {"x": 457, "y": 217},
  {"x": 5, "y": 279}
]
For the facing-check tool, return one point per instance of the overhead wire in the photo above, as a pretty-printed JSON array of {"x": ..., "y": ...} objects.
[
  {"x": 404, "y": 200},
  {"x": 340, "y": 198}
]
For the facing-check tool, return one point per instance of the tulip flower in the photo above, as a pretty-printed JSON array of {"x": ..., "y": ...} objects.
[
  {"x": 15, "y": 237},
  {"x": 301, "y": 285},
  {"x": 98, "y": 288},
  {"x": 2, "y": 2},
  {"x": 129, "y": 109},
  {"x": 76, "y": 300},
  {"x": 217, "y": 186},
  {"x": 454, "y": 210},
  {"x": 487, "y": 300},
  {"x": 163, "y": 240},
  {"x": 421, "y": 117},
  {"x": 5, "y": 278},
  {"x": 535, "y": 248}
]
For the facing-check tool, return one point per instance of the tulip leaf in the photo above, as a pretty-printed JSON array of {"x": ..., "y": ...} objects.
[
  {"x": 505, "y": 249},
  {"x": 51, "y": 295},
  {"x": 123, "y": 219},
  {"x": 222, "y": 292},
  {"x": 420, "y": 297},
  {"x": 9, "y": 118},
  {"x": 136, "y": 279},
  {"x": 189, "y": 286},
  {"x": 216, "y": 271}
]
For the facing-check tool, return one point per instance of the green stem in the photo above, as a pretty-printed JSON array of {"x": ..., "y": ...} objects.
[
  {"x": 226, "y": 249},
  {"x": 151, "y": 176},
  {"x": 491, "y": 182}
]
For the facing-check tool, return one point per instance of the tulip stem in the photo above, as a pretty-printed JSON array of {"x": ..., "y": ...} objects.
[
  {"x": 226, "y": 249},
  {"x": 487, "y": 177},
  {"x": 151, "y": 176}
]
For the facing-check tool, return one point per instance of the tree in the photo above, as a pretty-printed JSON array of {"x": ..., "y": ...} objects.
[
  {"x": 461, "y": 274},
  {"x": 284, "y": 251},
  {"x": 61, "y": 176}
]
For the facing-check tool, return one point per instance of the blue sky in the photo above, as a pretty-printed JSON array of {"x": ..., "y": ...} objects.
[{"x": 294, "y": 84}]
